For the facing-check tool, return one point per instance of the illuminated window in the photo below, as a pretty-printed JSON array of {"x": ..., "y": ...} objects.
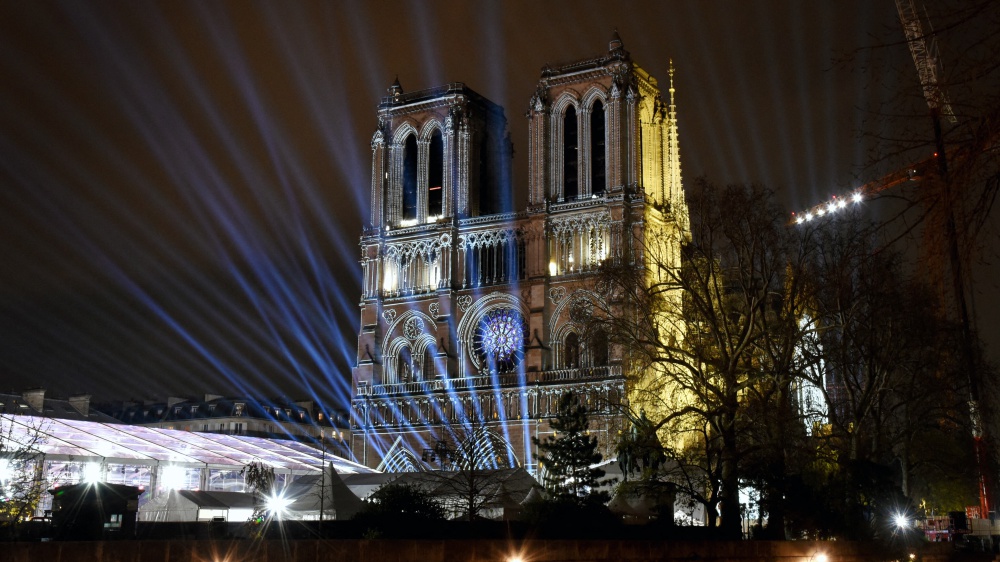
[
  {"x": 570, "y": 153},
  {"x": 435, "y": 178},
  {"x": 500, "y": 339}
]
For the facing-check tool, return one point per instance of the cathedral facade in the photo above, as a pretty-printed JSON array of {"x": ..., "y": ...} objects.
[{"x": 473, "y": 313}]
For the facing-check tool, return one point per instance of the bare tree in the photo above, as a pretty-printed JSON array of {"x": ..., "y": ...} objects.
[
  {"x": 22, "y": 481},
  {"x": 473, "y": 469},
  {"x": 693, "y": 336}
]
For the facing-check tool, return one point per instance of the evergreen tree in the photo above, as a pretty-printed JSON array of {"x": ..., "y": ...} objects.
[{"x": 570, "y": 455}]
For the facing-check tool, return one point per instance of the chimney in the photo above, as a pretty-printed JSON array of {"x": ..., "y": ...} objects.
[
  {"x": 81, "y": 403},
  {"x": 35, "y": 398}
]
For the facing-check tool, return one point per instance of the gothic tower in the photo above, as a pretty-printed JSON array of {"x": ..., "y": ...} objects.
[{"x": 472, "y": 315}]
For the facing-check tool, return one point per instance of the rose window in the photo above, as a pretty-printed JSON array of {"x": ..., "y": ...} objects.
[{"x": 500, "y": 339}]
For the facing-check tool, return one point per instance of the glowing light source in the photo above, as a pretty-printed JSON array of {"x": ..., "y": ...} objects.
[
  {"x": 809, "y": 216},
  {"x": 857, "y": 197},
  {"x": 6, "y": 472},
  {"x": 553, "y": 269},
  {"x": 92, "y": 473},
  {"x": 277, "y": 505},
  {"x": 820, "y": 557},
  {"x": 172, "y": 477},
  {"x": 901, "y": 521}
]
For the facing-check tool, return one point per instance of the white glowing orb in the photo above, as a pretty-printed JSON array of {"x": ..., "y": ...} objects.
[
  {"x": 92, "y": 473},
  {"x": 172, "y": 477},
  {"x": 901, "y": 521},
  {"x": 278, "y": 505},
  {"x": 856, "y": 198}
]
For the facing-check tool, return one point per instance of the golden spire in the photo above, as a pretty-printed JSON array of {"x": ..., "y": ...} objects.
[{"x": 674, "y": 191}]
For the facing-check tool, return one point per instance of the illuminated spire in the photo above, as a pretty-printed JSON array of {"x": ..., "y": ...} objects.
[{"x": 674, "y": 191}]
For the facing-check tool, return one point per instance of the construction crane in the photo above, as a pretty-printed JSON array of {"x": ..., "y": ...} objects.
[
  {"x": 932, "y": 173},
  {"x": 924, "y": 52}
]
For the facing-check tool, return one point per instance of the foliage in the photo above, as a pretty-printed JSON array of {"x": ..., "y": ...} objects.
[
  {"x": 568, "y": 457},
  {"x": 394, "y": 501},
  {"x": 259, "y": 478},
  {"x": 21, "y": 478},
  {"x": 787, "y": 361}
]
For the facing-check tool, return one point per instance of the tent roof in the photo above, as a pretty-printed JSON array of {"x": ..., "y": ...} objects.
[{"x": 130, "y": 444}]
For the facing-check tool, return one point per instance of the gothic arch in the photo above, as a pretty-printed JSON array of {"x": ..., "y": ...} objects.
[
  {"x": 404, "y": 130},
  {"x": 487, "y": 449},
  {"x": 400, "y": 459},
  {"x": 594, "y": 94},
  {"x": 467, "y": 326},
  {"x": 428, "y": 128},
  {"x": 566, "y": 99},
  {"x": 556, "y": 325},
  {"x": 396, "y": 339}
]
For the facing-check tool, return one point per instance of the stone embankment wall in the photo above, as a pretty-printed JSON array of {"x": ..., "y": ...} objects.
[{"x": 451, "y": 551}]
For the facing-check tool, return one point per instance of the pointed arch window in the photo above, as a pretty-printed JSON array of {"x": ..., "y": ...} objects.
[
  {"x": 570, "y": 154},
  {"x": 428, "y": 367},
  {"x": 410, "y": 178},
  {"x": 404, "y": 366},
  {"x": 571, "y": 353},
  {"x": 435, "y": 177},
  {"x": 599, "y": 348},
  {"x": 598, "y": 167}
]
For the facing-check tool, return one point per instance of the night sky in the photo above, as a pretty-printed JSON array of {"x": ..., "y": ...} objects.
[{"x": 182, "y": 183}]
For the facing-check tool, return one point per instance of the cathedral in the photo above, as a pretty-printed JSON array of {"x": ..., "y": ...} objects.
[{"x": 472, "y": 312}]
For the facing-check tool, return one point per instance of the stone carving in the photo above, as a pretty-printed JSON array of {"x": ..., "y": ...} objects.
[
  {"x": 464, "y": 302},
  {"x": 434, "y": 309},
  {"x": 580, "y": 310},
  {"x": 557, "y": 294},
  {"x": 413, "y": 328},
  {"x": 389, "y": 316}
]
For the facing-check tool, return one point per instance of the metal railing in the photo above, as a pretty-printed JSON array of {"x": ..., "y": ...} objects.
[{"x": 502, "y": 380}]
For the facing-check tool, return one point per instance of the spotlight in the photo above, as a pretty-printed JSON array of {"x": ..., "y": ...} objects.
[
  {"x": 820, "y": 557},
  {"x": 809, "y": 216},
  {"x": 857, "y": 197},
  {"x": 831, "y": 207},
  {"x": 277, "y": 505},
  {"x": 901, "y": 521}
]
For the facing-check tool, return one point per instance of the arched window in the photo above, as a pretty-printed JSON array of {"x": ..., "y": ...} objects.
[
  {"x": 598, "y": 168},
  {"x": 599, "y": 348},
  {"x": 404, "y": 366},
  {"x": 410, "y": 178},
  {"x": 571, "y": 353},
  {"x": 429, "y": 369},
  {"x": 570, "y": 154},
  {"x": 486, "y": 185},
  {"x": 435, "y": 177}
]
